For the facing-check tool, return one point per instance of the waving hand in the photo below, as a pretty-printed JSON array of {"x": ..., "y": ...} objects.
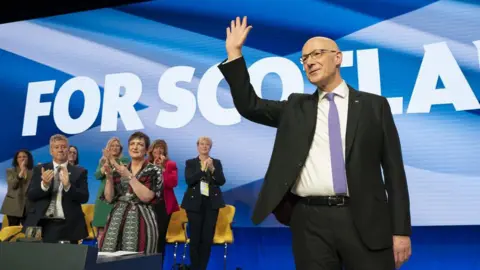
[{"x": 236, "y": 35}]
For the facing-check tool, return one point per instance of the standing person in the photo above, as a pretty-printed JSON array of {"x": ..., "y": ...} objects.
[
  {"x": 325, "y": 177},
  {"x": 57, "y": 192},
  {"x": 113, "y": 150},
  {"x": 202, "y": 201},
  {"x": 158, "y": 155},
  {"x": 15, "y": 204},
  {"x": 132, "y": 223},
  {"x": 73, "y": 155}
]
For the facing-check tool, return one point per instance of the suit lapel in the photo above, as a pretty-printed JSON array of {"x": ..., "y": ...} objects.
[
  {"x": 354, "y": 110},
  {"x": 310, "y": 114},
  {"x": 70, "y": 169},
  {"x": 48, "y": 166},
  {"x": 197, "y": 164},
  {"x": 29, "y": 178}
]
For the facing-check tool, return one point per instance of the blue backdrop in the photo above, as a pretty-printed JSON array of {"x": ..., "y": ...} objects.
[{"x": 152, "y": 67}]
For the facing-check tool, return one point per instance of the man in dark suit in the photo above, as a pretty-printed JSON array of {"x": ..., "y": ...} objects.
[
  {"x": 57, "y": 191},
  {"x": 324, "y": 179}
]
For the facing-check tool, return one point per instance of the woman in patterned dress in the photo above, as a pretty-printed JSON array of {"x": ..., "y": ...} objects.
[{"x": 132, "y": 223}]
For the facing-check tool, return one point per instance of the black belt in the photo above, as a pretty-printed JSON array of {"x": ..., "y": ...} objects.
[
  {"x": 325, "y": 200},
  {"x": 52, "y": 219}
]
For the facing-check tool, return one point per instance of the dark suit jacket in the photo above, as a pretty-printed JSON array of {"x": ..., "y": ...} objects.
[
  {"x": 192, "y": 200},
  {"x": 372, "y": 142},
  {"x": 16, "y": 200},
  {"x": 71, "y": 201}
]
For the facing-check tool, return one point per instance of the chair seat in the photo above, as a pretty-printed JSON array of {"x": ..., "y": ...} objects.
[
  {"x": 176, "y": 233},
  {"x": 9, "y": 231},
  {"x": 177, "y": 239},
  {"x": 228, "y": 239}
]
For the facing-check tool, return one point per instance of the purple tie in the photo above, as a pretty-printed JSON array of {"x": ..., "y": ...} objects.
[{"x": 336, "y": 150}]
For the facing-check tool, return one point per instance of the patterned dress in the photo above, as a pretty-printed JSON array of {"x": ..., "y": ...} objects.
[
  {"x": 132, "y": 224},
  {"x": 103, "y": 208}
]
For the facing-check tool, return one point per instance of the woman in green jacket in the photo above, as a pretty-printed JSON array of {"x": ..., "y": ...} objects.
[{"x": 102, "y": 209}]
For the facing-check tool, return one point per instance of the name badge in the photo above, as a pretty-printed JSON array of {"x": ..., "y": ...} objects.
[{"x": 204, "y": 189}]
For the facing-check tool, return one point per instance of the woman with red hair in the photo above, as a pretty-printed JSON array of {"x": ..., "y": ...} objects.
[{"x": 158, "y": 155}]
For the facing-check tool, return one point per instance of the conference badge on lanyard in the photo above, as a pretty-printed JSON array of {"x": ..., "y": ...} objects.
[{"x": 204, "y": 189}]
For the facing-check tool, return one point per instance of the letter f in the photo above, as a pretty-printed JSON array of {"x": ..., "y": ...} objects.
[{"x": 34, "y": 108}]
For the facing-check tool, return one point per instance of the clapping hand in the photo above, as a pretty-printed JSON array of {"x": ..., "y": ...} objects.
[
  {"x": 47, "y": 176},
  {"x": 159, "y": 160},
  {"x": 107, "y": 155},
  {"x": 23, "y": 169},
  {"x": 64, "y": 177},
  {"x": 122, "y": 170},
  {"x": 107, "y": 170},
  {"x": 209, "y": 165}
]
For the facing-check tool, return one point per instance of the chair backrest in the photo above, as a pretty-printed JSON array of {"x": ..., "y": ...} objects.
[
  {"x": 223, "y": 229},
  {"x": 176, "y": 232},
  {"x": 4, "y": 221},
  {"x": 89, "y": 211}
]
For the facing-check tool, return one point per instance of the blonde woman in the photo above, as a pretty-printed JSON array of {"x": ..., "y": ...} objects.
[
  {"x": 202, "y": 201},
  {"x": 114, "y": 149}
]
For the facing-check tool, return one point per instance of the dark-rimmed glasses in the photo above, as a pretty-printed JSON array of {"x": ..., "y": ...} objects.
[{"x": 314, "y": 54}]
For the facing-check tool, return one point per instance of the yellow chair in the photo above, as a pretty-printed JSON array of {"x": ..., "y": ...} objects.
[
  {"x": 177, "y": 232},
  {"x": 223, "y": 230},
  {"x": 89, "y": 211},
  {"x": 4, "y": 221},
  {"x": 11, "y": 233}
]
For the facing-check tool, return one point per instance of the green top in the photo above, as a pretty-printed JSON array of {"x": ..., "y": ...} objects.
[{"x": 102, "y": 208}]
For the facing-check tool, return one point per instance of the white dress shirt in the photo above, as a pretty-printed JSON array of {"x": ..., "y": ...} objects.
[
  {"x": 316, "y": 176},
  {"x": 58, "y": 199}
]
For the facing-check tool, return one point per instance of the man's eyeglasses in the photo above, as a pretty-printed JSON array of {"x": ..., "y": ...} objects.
[{"x": 314, "y": 54}]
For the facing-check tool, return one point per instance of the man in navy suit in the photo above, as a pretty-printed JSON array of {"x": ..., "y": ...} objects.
[{"x": 57, "y": 192}]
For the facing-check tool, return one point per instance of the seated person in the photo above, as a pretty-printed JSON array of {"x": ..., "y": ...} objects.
[
  {"x": 132, "y": 223},
  {"x": 57, "y": 192}
]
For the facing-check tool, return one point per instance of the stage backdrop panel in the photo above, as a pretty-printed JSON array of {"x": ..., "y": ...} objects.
[{"x": 152, "y": 67}]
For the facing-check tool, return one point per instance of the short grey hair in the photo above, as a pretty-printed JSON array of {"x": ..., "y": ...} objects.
[
  {"x": 207, "y": 139},
  {"x": 58, "y": 137}
]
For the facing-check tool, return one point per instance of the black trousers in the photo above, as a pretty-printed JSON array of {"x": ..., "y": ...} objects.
[
  {"x": 202, "y": 229},
  {"x": 15, "y": 221},
  {"x": 163, "y": 219},
  {"x": 54, "y": 230},
  {"x": 325, "y": 238}
]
